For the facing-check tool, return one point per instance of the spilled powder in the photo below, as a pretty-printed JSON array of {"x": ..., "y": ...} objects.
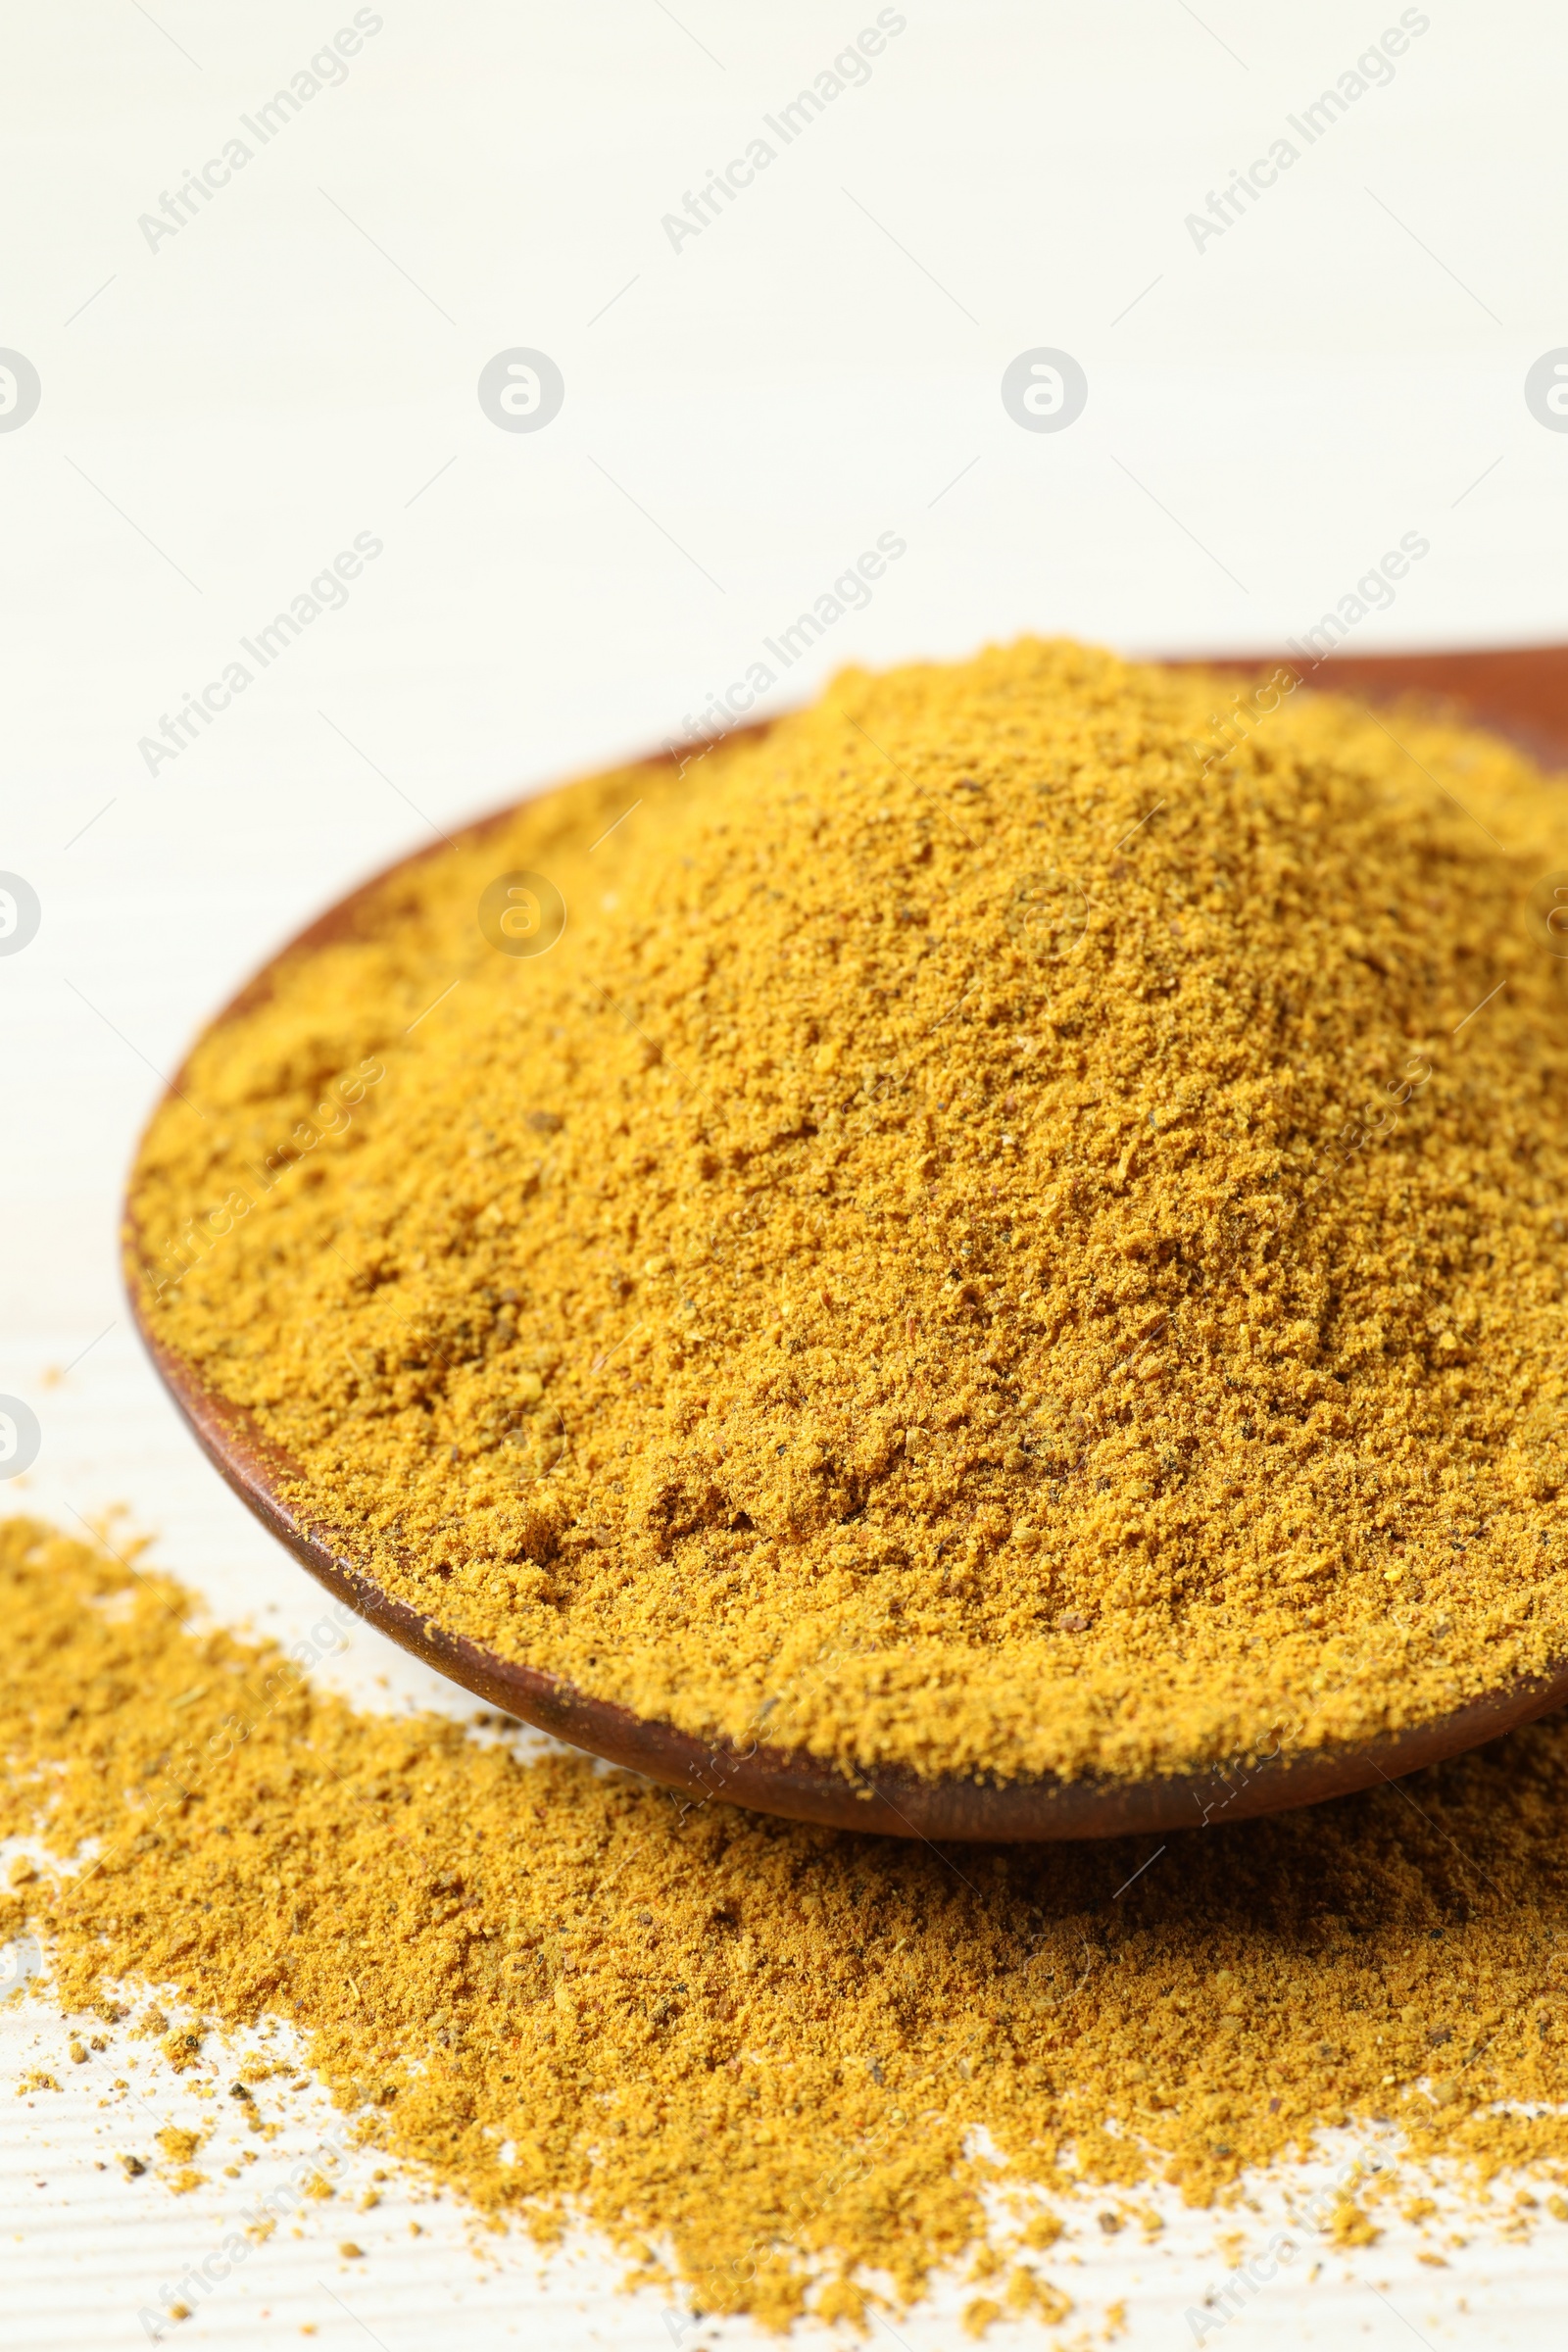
[
  {"x": 998, "y": 1236},
  {"x": 759, "y": 2058}
]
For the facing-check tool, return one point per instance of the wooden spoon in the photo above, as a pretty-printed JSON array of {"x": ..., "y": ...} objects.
[{"x": 1521, "y": 693}]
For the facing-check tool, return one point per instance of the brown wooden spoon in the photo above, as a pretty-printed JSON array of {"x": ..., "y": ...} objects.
[{"x": 1521, "y": 693}]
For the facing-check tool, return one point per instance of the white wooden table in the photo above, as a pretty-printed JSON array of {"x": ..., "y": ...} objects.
[{"x": 291, "y": 364}]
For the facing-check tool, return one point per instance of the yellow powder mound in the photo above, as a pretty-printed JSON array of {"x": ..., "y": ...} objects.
[
  {"x": 998, "y": 1231},
  {"x": 756, "y": 2048}
]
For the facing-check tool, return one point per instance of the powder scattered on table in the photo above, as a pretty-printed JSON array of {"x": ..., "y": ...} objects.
[{"x": 757, "y": 2056}]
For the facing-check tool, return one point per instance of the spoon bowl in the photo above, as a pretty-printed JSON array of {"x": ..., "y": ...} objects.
[{"x": 1520, "y": 692}]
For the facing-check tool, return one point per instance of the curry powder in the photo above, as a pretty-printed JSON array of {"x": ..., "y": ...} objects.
[
  {"x": 1013, "y": 1231},
  {"x": 761, "y": 2058}
]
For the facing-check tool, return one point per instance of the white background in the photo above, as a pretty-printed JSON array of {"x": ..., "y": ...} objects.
[{"x": 219, "y": 415}]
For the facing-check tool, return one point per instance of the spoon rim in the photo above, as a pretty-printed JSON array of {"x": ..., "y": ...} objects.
[{"x": 894, "y": 1800}]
